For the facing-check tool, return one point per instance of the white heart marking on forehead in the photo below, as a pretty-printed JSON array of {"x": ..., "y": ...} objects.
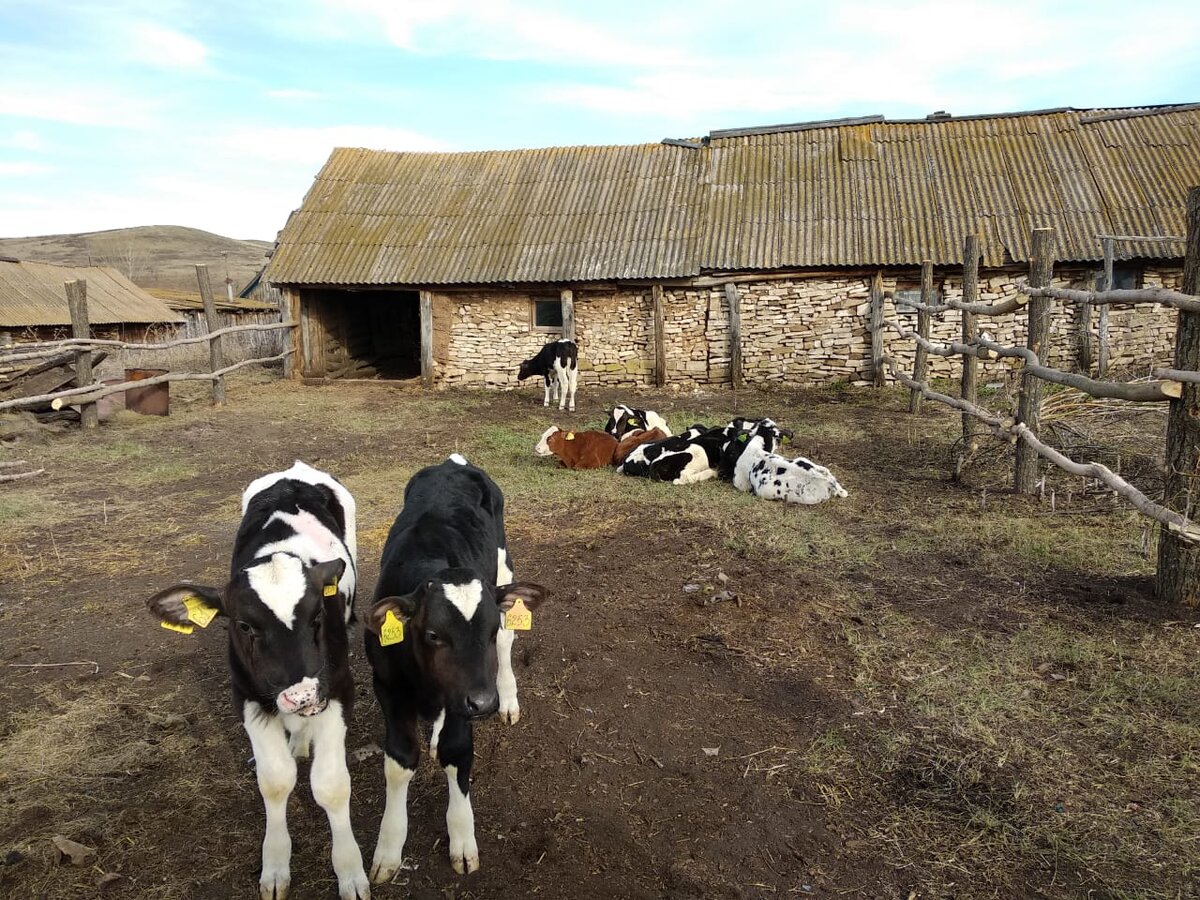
[
  {"x": 280, "y": 585},
  {"x": 465, "y": 597}
]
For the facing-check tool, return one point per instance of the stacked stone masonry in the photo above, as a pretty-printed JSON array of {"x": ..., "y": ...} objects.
[{"x": 802, "y": 330}]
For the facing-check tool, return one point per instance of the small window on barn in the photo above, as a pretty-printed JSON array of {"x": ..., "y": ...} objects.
[
  {"x": 1125, "y": 278},
  {"x": 547, "y": 314},
  {"x": 910, "y": 292}
]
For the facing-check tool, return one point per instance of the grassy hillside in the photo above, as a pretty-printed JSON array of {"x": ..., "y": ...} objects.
[{"x": 153, "y": 256}]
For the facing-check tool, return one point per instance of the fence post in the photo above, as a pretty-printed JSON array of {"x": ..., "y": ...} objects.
[
  {"x": 1029, "y": 403},
  {"x": 735, "y": 333},
  {"x": 293, "y": 364},
  {"x": 567, "y": 298},
  {"x": 660, "y": 337},
  {"x": 922, "y": 357},
  {"x": 1106, "y": 285},
  {"x": 969, "y": 389},
  {"x": 1083, "y": 338},
  {"x": 1178, "y": 576},
  {"x": 426, "y": 299},
  {"x": 216, "y": 350},
  {"x": 878, "y": 378},
  {"x": 89, "y": 415}
]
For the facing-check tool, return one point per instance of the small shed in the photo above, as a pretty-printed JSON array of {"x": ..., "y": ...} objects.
[{"x": 33, "y": 303}]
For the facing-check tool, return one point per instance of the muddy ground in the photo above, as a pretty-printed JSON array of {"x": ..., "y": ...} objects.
[{"x": 924, "y": 690}]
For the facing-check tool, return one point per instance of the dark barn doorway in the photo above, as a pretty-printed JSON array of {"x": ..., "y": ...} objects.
[{"x": 362, "y": 334}]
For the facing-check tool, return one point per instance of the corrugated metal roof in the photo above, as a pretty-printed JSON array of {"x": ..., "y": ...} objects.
[
  {"x": 32, "y": 293},
  {"x": 860, "y": 192}
]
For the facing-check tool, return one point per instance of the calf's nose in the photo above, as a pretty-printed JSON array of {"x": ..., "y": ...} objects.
[{"x": 479, "y": 704}]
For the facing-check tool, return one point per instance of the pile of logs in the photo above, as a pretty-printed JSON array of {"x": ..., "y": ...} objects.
[{"x": 36, "y": 375}]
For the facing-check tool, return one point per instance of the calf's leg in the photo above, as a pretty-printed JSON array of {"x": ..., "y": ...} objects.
[
  {"x": 276, "y": 771},
  {"x": 401, "y": 753},
  {"x": 546, "y": 399},
  {"x": 573, "y": 382},
  {"x": 455, "y": 751},
  {"x": 331, "y": 789},
  {"x": 506, "y": 681}
]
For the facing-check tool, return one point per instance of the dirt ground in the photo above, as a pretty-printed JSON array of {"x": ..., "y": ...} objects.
[{"x": 929, "y": 689}]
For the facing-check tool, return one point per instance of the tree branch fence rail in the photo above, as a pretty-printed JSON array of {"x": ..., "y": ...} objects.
[{"x": 1179, "y": 385}]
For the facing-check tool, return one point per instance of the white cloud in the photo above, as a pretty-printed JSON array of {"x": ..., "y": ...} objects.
[
  {"x": 24, "y": 139},
  {"x": 162, "y": 47},
  {"x": 311, "y": 146},
  {"x": 75, "y": 104},
  {"x": 294, "y": 94},
  {"x": 24, "y": 168}
]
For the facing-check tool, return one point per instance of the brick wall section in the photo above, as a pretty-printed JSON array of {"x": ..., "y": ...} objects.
[{"x": 794, "y": 331}]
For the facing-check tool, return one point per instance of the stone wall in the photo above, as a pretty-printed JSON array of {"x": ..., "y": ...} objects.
[{"x": 802, "y": 330}]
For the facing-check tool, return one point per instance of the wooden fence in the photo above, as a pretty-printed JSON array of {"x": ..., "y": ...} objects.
[
  {"x": 82, "y": 344},
  {"x": 1178, "y": 572}
]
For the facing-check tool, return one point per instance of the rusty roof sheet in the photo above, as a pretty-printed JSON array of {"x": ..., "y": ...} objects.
[
  {"x": 863, "y": 192},
  {"x": 32, "y": 293}
]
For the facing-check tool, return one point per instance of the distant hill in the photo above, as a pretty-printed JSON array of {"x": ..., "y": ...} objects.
[{"x": 152, "y": 256}]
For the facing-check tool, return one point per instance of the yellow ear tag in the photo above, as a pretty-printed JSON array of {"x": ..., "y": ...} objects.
[
  {"x": 182, "y": 629},
  {"x": 199, "y": 612},
  {"x": 570, "y": 435},
  {"x": 331, "y": 588},
  {"x": 633, "y": 421},
  {"x": 392, "y": 630},
  {"x": 518, "y": 618}
]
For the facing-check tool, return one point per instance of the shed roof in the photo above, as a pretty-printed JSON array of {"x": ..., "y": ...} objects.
[
  {"x": 863, "y": 192},
  {"x": 31, "y": 293}
]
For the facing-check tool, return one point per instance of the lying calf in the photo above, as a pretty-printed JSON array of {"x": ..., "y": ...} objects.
[
  {"x": 624, "y": 419},
  {"x": 289, "y": 600},
  {"x": 775, "y": 477},
  {"x": 577, "y": 449}
]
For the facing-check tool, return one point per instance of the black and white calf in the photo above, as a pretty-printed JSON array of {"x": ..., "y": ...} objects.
[
  {"x": 624, "y": 419},
  {"x": 696, "y": 454},
  {"x": 774, "y": 477},
  {"x": 558, "y": 364},
  {"x": 289, "y": 600},
  {"x": 434, "y": 640}
]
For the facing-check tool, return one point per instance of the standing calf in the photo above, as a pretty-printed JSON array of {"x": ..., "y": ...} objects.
[
  {"x": 434, "y": 640},
  {"x": 289, "y": 600},
  {"x": 558, "y": 360}
]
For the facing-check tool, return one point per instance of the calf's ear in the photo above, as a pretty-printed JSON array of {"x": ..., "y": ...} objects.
[
  {"x": 404, "y": 607},
  {"x": 324, "y": 576},
  {"x": 184, "y": 604},
  {"x": 532, "y": 594}
]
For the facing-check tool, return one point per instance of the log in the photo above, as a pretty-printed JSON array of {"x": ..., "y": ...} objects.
[
  {"x": 1178, "y": 576},
  {"x": 1130, "y": 297},
  {"x": 878, "y": 376},
  {"x": 660, "y": 335},
  {"x": 20, "y": 475},
  {"x": 71, "y": 344},
  {"x": 921, "y": 360},
  {"x": 968, "y": 387},
  {"x": 1029, "y": 400},
  {"x": 216, "y": 350},
  {"x": 734, "y": 297},
  {"x": 89, "y": 416}
]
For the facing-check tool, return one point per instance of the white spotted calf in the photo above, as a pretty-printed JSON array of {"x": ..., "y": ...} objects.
[{"x": 775, "y": 477}]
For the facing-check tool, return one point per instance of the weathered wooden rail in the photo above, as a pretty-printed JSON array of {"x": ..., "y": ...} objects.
[{"x": 1178, "y": 385}]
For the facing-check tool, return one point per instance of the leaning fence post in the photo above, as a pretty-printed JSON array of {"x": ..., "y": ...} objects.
[
  {"x": 878, "y": 379},
  {"x": 1178, "y": 576},
  {"x": 969, "y": 390},
  {"x": 921, "y": 359},
  {"x": 89, "y": 415},
  {"x": 1029, "y": 403},
  {"x": 660, "y": 335},
  {"x": 1102, "y": 328},
  {"x": 216, "y": 351}
]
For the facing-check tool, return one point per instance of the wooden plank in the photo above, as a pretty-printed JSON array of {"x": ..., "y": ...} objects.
[
  {"x": 878, "y": 373},
  {"x": 660, "y": 335},
  {"x": 968, "y": 387},
  {"x": 567, "y": 296},
  {"x": 1178, "y": 576},
  {"x": 77, "y": 303},
  {"x": 427, "y": 338},
  {"x": 1029, "y": 401},
  {"x": 921, "y": 360},
  {"x": 735, "y": 334},
  {"x": 216, "y": 349},
  {"x": 293, "y": 362}
]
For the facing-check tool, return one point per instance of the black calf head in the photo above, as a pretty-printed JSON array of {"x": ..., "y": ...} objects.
[
  {"x": 450, "y": 624},
  {"x": 624, "y": 419},
  {"x": 280, "y": 614}
]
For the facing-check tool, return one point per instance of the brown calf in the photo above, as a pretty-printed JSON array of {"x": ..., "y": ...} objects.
[
  {"x": 578, "y": 449},
  {"x": 636, "y": 439}
]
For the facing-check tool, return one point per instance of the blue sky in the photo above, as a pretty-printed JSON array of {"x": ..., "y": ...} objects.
[{"x": 217, "y": 115}]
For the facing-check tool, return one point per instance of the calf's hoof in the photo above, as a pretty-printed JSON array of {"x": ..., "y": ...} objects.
[
  {"x": 354, "y": 887},
  {"x": 385, "y": 866},
  {"x": 510, "y": 713},
  {"x": 274, "y": 885},
  {"x": 464, "y": 859}
]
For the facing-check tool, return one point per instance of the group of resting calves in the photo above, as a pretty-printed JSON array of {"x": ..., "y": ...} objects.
[{"x": 639, "y": 443}]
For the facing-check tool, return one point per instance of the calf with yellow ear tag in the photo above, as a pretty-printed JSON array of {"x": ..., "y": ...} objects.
[{"x": 289, "y": 602}]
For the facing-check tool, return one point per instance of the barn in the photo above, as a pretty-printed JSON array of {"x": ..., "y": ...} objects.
[
  {"x": 33, "y": 303},
  {"x": 455, "y": 266}
]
